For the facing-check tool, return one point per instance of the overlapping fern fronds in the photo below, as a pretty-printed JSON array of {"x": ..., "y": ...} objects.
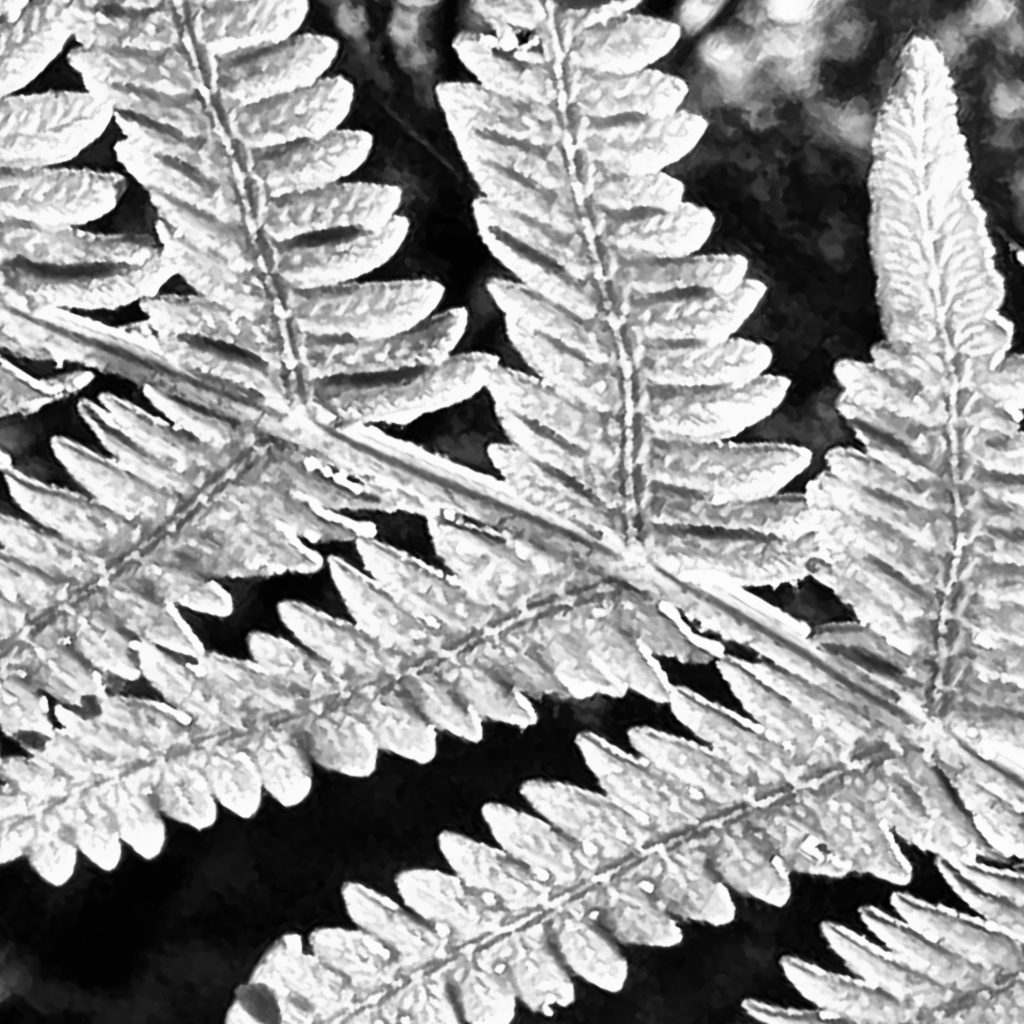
[
  {"x": 907, "y": 724},
  {"x": 260, "y": 379},
  {"x": 623, "y": 527}
]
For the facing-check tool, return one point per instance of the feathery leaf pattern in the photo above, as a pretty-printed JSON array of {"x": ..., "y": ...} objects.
[
  {"x": 642, "y": 383},
  {"x": 844, "y": 746},
  {"x": 98, "y": 574},
  {"x": 254, "y": 451}
]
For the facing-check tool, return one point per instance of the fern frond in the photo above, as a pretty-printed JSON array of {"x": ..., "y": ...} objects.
[
  {"x": 191, "y": 348},
  {"x": 103, "y": 682},
  {"x": 112, "y": 557},
  {"x": 921, "y": 529},
  {"x": 672, "y": 832},
  {"x": 234, "y": 139},
  {"x": 94, "y": 578},
  {"x": 800, "y": 785},
  {"x": 931, "y": 963},
  {"x": 642, "y": 383}
]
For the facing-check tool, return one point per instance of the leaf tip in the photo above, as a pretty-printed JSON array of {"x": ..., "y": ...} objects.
[{"x": 921, "y": 55}]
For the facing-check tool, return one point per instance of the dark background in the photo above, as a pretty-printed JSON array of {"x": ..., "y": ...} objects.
[{"x": 790, "y": 89}]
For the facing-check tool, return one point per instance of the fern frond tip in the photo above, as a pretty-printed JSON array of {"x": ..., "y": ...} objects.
[{"x": 922, "y": 56}]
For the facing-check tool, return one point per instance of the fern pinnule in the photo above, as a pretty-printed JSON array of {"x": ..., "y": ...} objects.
[
  {"x": 22, "y": 393},
  {"x": 46, "y": 258}
]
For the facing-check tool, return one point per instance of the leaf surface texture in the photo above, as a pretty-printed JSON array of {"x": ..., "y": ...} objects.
[{"x": 642, "y": 383}]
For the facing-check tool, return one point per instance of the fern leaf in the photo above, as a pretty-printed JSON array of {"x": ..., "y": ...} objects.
[
  {"x": 123, "y": 710},
  {"x": 235, "y": 140},
  {"x": 930, "y": 963},
  {"x": 803, "y": 784},
  {"x": 139, "y": 546},
  {"x": 44, "y": 258},
  {"x": 423, "y": 652},
  {"x": 135, "y": 537},
  {"x": 674, "y": 829},
  {"x": 642, "y": 383},
  {"x": 931, "y": 501},
  {"x": 191, "y": 348},
  {"x": 845, "y": 744},
  {"x": 921, "y": 527},
  {"x": 92, "y": 578},
  {"x": 104, "y": 683}
]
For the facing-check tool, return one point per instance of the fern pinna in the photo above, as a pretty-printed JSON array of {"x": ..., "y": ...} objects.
[{"x": 623, "y": 526}]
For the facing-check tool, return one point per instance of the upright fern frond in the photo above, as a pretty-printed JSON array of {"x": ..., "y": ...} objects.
[
  {"x": 922, "y": 528},
  {"x": 932, "y": 503},
  {"x": 642, "y": 383},
  {"x": 235, "y": 140},
  {"x": 920, "y": 535}
]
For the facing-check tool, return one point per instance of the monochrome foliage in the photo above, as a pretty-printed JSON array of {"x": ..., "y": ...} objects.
[{"x": 623, "y": 528}]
